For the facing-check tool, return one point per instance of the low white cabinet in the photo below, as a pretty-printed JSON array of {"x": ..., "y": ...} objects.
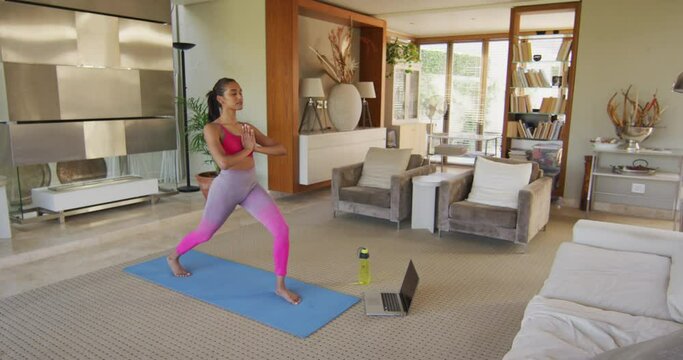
[
  {"x": 73, "y": 199},
  {"x": 321, "y": 152}
]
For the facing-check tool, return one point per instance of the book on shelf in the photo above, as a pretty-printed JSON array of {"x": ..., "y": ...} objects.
[
  {"x": 520, "y": 103},
  {"x": 565, "y": 49},
  {"x": 518, "y": 154},
  {"x": 511, "y": 129},
  {"x": 529, "y": 78},
  {"x": 521, "y": 51},
  {"x": 553, "y": 105},
  {"x": 545, "y": 130}
]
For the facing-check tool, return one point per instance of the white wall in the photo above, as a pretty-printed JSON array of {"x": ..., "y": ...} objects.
[
  {"x": 624, "y": 42},
  {"x": 231, "y": 42}
]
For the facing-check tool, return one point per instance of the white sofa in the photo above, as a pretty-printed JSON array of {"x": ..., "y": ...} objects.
[{"x": 612, "y": 287}]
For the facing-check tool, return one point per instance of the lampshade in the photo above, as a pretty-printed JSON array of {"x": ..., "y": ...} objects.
[
  {"x": 311, "y": 88},
  {"x": 366, "y": 89},
  {"x": 678, "y": 86}
]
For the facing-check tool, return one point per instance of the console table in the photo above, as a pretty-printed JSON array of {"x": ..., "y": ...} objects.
[
  {"x": 319, "y": 153},
  {"x": 659, "y": 191}
]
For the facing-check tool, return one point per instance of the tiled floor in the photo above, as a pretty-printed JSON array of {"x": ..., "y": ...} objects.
[{"x": 42, "y": 253}]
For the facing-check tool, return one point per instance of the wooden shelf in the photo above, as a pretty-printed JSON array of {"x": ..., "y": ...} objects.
[
  {"x": 282, "y": 74},
  {"x": 516, "y": 35}
]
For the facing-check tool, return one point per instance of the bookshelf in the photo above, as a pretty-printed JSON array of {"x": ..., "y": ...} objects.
[{"x": 540, "y": 84}]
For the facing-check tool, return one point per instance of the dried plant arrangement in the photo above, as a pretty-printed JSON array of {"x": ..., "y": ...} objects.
[
  {"x": 342, "y": 66},
  {"x": 633, "y": 113}
]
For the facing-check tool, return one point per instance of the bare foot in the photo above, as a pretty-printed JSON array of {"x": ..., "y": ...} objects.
[
  {"x": 291, "y": 297},
  {"x": 177, "y": 269}
]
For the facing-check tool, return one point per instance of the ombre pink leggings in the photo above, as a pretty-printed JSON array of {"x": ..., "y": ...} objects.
[{"x": 233, "y": 187}]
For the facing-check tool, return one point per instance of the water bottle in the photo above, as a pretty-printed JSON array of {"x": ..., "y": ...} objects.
[{"x": 364, "y": 271}]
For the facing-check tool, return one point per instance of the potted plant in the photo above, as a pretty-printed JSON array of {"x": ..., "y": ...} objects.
[
  {"x": 199, "y": 117},
  {"x": 402, "y": 52}
]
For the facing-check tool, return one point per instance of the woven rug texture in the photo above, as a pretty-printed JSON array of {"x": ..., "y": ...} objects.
[{"x": 468, "y": 305}]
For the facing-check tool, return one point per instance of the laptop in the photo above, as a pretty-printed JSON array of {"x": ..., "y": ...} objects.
[{"x": 393, "y": 304}]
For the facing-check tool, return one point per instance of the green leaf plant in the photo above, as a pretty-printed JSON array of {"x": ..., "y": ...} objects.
[
  {"x": 402, "y": 52},
  {"x": 197, "y": 119}
]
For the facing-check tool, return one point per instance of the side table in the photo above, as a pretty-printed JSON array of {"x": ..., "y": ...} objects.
[{"x": 425, "y": 195}]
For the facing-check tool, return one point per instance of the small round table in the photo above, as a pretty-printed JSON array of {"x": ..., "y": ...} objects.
[{"x": 425, "y": 200}]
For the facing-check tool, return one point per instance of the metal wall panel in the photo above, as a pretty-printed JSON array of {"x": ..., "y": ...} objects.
[
  {"x": 146, "y": 135},
  {"x": 37, "y": 35},
  {"x": 156, "y": 89},
  {"x": 104, "y": 138},
  {"x": 86, "y": 93},
  {"x": 145, "y": 45},
  {"x": 98, "y": 40},
  {"x": 153, "y": 10},
  {"x": 32, "y": 92},
  {"x": 4, "y": 112},
  {"x": 46, "y": 142}
]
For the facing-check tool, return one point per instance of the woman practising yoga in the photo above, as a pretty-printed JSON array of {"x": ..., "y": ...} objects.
[{"x": 231, "y": 144}]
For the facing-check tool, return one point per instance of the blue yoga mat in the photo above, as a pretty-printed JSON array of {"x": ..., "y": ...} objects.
[{"x": 249, "y": 292}]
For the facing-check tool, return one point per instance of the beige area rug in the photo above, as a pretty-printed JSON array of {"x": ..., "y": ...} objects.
[{"x": 469, "y": 302}]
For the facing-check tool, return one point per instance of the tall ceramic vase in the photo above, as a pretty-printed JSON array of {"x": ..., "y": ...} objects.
[{"x": 344, "y": 106}]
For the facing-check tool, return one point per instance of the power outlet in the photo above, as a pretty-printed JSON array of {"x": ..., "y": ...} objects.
[{"x": 638, "y": 188}]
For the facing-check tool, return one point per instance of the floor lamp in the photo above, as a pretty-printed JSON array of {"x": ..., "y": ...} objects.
[
  {"x": 367, "y": 91},
  {"x": 311, "y": 88},
  {"x": 182, "y": 46}
]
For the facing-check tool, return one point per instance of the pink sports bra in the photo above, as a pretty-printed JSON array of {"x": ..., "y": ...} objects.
[{"x": 232, "y": 143}]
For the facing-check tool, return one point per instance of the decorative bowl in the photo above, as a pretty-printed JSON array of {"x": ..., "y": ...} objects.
[{"x": 634, "y": 135}]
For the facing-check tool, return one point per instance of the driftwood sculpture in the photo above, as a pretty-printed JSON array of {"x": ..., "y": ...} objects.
[{"x": 634, "y": 114}]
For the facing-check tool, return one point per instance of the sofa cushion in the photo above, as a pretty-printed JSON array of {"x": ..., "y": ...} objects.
[
  {"x": 558, "y": 329},
  {"x": 498, "y": 184},
  {"x": 366, "y": 195},
  {"x": 665, "y": 347},
  {"x": 629, "y": 282},
  {"x": 381, "y": 164},
  {"x": 474, "y": 213}
]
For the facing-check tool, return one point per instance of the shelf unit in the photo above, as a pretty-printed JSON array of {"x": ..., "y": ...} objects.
[
  {"x": 659, "y": 191},
  {"x": 540, "y": 84}
]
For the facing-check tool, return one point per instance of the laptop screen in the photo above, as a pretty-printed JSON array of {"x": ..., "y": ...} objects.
[{"x": 409, "y": 285}]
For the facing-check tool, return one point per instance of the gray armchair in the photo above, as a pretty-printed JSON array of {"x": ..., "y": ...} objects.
[
  {"x": 393, "y": 204},
  {"x": 517, "y": 225}
]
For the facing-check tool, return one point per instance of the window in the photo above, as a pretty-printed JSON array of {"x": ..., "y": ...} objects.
[
  {"x": 462, "y": 89},
  {"x": 432, "y": 92}
]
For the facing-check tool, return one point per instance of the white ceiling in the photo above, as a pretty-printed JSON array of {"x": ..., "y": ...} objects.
[{"x": 423, "y": 18}]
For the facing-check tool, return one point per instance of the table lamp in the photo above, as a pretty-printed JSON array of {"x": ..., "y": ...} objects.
[
  {"x": 311, "y": 88},
  {"x": 367, "y": 91}
]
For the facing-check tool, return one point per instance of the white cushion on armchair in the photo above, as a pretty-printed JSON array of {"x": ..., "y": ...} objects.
[
  {"x": 498, "y": 184},
  {"x": 381, "y": 164}
]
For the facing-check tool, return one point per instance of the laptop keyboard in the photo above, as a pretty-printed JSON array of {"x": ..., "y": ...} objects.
[{"x": 391, "y": 302}]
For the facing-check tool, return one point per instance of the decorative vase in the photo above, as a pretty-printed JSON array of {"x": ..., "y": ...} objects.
[{"x": 344, "y": 106}]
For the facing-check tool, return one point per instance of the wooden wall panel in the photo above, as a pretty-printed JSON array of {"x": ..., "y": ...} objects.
[
  {"x": 373, "y": 67},
  {"x": 282, "y": 83}
]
